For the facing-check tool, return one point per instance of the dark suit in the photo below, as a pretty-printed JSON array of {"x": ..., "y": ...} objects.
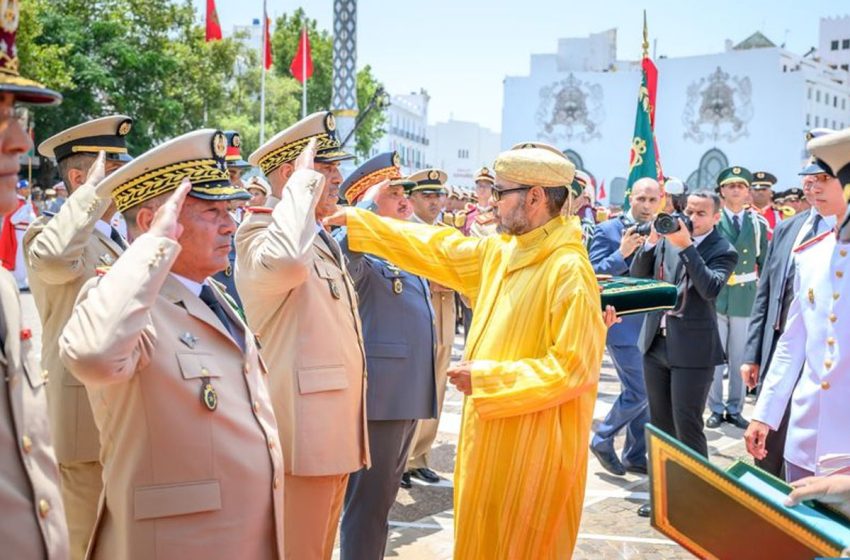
[
  {"x": 767, "y": 320},
  {"x": 630, "y": 410},
  {"x": 399, "y": 340},
  {"x": 679, "y": 361}
]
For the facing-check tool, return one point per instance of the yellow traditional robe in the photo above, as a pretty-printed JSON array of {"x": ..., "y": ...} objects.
[{"x": 537, "y": 334}]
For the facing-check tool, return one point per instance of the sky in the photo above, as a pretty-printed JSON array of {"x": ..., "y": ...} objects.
[{"x": 460, "y": 51}]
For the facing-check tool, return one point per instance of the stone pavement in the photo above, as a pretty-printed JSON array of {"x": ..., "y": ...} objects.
[{"x": 421, "y": 520}]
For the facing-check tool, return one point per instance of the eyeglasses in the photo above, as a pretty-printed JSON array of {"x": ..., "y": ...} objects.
[{"x": 499, "y": 191}]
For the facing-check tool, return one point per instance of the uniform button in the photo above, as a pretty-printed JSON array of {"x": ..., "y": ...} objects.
[
  {"x": 205, "y": 372},
  {"x": 44, "y": 374},
  {"x": 836, "y": 295},
  {"x": 839, "y": 274},
  {"x": 827, "y": 364},
  {"x": 26, "y": 443},
  {"x": 745, "y": 262},
  {"x": 831, "y": 341},
  {"x": 746, "y": 251},
  {"x": 825, "y": 385},
  {"x": 256, "y": 406},
  {"x": 276, "y": 483},
  {"x": 843, "y": 252},
  {"x": 271, "y": 444},
  {"x": 832, "y": 318},
  {"x": 43, "y": 507}
]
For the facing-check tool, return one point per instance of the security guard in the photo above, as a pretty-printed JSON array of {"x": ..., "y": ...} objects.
[
  {"x": 188, "y": 433},
  {"x": 299, "y": 296},
  {"x": 399, "y": 339},
  {"x": 33, "y": 524},
  {"x": 63, "y": 252},
  {"x": 810, "y": 368},
  {"x": 747, "y": 231}
]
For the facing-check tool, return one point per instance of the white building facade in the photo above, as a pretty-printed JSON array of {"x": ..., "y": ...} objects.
[
  {"x": 750, "y": 105},
  {"x": 406, "y": 130},
  {"x": 460, "y": 149}
]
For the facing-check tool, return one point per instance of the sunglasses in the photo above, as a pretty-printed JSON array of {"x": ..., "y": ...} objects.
[{"x": 498, "y": 191}]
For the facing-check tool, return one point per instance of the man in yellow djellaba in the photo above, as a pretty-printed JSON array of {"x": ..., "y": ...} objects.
[{"x": 532, "y": 359}]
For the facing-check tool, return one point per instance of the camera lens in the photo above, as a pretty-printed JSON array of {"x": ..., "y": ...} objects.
[
  {"x": 665, "y": 223},
  {"x": 644, "y": 228}
]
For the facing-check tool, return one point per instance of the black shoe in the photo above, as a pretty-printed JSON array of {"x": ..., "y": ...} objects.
[
  {"x": 714, "y": 420},
  {"x": 636, "y": 469},
  {"x": 645, "y": 510},
  {"x": 426, "y": 474},
  {"x": 737, "y": 420},
  {"x": 609, "y": 461},
  {"x": 405, "y": 481}
]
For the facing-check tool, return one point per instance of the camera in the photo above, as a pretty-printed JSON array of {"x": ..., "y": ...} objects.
[{"x": 664, "y": 224}]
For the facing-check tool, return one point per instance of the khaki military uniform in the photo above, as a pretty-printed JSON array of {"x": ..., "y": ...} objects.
[
  {"x": 483, "y": 223},
  {"x": 301, "y": 302},
  {"x": 192, "y": 462},
  {"x": 62, "y": 253},
  {"x": 33, "y": 524}
]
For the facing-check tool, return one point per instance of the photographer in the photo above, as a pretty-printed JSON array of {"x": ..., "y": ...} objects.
[
  {"x": 682, "y": 346},
  {"x": 612, "y": 249}
]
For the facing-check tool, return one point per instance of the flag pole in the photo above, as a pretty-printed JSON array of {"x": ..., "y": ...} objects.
[
  {"x": 304, "y": 72},
  {"x": 263, "y": 77}
]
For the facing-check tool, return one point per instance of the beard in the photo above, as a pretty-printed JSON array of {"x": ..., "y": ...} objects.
[{"x": 514, "y": 222}]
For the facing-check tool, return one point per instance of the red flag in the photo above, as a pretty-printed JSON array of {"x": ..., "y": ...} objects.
[
  {"x": 267, "y": 60},
  {"x": 302, "y": 64},
  {"x": 601, "y": 195},
  {"x": 213, "y": 26}
]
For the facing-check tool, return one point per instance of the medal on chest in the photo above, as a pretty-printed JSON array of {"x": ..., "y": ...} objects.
[{"x": 208, "y": 395}]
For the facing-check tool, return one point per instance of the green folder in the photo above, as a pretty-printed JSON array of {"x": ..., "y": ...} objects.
[
  {"x": 636, "y": 295},
  {"x": 736, "y": 513}
]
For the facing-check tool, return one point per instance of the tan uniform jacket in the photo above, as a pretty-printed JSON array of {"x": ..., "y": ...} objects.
[
  {"x": 33, "y": 520},
  {"x": 180, "y": 480},
  {"x": 300, "y": 301},
  {"x": 62, "y": 253}
]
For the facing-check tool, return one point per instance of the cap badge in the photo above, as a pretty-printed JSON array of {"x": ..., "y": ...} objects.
[
  {"x": 736, "y": 170},
  {"x": 237, "y": 141},
  {"x": 10, "y": 16},
  {"x": 396, "y": 160},
  {"x": 760, "y": 175},
  {"x": 433, "y": 175},
  {"x": 219, "y": 145},
  {"x": 125, "y": 127},
  {"x": 330, "y": 122}
]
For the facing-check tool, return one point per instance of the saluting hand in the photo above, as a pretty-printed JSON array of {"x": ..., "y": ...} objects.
[
  {"x": 338, "y": 218},
  {"x": 96, "y": 174},
  {"x": 166, "y": 220},
  {"x": 305, "y": 159}
]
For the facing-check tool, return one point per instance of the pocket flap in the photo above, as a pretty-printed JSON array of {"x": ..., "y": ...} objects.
[
  {"x": 166, "y": 500},
  {"x": 195, "y": 365},
  {"x": 390, "y": 273},
  {"x": 386, "y": 350},
  {"x": 325, "y": 270},
  {"x": 318, "y": 379},
  {"x": 33, "y": 372}
]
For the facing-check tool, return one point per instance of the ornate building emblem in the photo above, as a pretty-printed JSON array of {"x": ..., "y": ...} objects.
[
  {"x": 570, "y": 110},
  {"x": 718, "y": 108}
]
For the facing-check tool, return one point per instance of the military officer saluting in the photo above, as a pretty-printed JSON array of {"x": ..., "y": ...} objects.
[
  {"x": 189, "y": 441},
  {"x": 300, "y": 299},
  {"x": 810, "y": 367},
  {"x": 33, "y": 524},
  {"x": 62, "y": 252},
  {"x": 398, "y": 333},
  {"x": 747, "y": 231}
]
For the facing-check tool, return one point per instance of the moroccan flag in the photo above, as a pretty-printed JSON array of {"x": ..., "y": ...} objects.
[
  {"x": 267, "y": 41},
  {"x": 644, "y": 158},
  {"x": 302, "y": 64},
  {"x": 213, "y": 26}
]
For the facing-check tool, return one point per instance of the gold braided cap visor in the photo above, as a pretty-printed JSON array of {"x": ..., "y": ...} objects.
[
  {"x": 358, "y": 188},
  {"x": 327, "y": 148}
]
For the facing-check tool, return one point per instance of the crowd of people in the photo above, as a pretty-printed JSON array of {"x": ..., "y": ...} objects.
[{"x": 239, "y": 368}]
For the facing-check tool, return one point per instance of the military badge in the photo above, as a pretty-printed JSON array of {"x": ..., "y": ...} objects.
[
  {"x": 330, "y": 122},
  {"x": 189, "y": 339},
  {"x": 433, "y": 175},
  {"x": 396, "y": 160},
  {"x": 736, "y": 170},
  {"x": 811, "y": 296},
  {"x": 124, "y": 128},
  {"x": 208, "y": 395},
  {"x": 237, "y": 141},
  {"x": 107, "y": 259},
  {"x": 398, "y": 287},
  {"x": 219, "y": 145},
  {"x": 334, "y": 290}
]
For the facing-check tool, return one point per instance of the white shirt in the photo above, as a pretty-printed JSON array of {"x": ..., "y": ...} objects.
[
  {"x": 730, "y": 215},
  {"x": 827, "y": 223},
  {"x": 191, "y": 285}
]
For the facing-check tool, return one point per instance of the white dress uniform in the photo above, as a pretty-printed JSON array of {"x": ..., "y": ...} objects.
[{"x": 817, "y": 340}]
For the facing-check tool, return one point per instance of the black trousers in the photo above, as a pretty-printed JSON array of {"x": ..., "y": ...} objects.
[{"x": 677, "y": 396}]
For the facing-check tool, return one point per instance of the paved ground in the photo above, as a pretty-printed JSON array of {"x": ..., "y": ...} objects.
[{"x": 421, "y": 520}]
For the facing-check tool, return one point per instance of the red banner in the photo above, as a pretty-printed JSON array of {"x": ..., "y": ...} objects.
[
  {"x": 213, "y": 26},
  {"x": 302, "y": 64}
]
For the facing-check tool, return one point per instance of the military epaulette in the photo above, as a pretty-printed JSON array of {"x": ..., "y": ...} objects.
[
  {"x": 101, "y": 270},
  {"x": 222, "y": 289},
  {"x": 812, "y": 241},
  {"x": 460, "y": 219},
  {"x": 484, "y": 218},
  {"x": 448, "y": 218},
  {"x": 259, "y": 209}
]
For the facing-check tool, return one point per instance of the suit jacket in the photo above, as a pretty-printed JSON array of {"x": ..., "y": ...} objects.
[
  {"x": 62, "y": 253},
  {"x": 767, "y": 320},
  {"x": 736, "y": 298},
  {"x": 302, "y": 303},
  {"x": 33, "y": 523},
  {"x": 605, "y": 257},
  {"x": 192, "y": 464},
  {"x": 816, "y": 340},
  {"x": 702, "y": 271},
  {"x": 399, "y": 337}
]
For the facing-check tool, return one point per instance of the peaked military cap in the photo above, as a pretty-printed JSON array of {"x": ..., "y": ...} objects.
[
  {"x": 234, "y": 153},
  {"x": 795, "y": 191},
  {"x": 198, "y": 156},
  {"x": 484, "y": 174},
  {"x": 763, "y": 180},
  {"x": 832, "y": 152},
  {"x": 429, "y": 181},
  {"x": 11, "y": 81},
  {"x": 288, "y": 144},
  {"x": 812, "y": 168},
  {"x": 381, "y": 167},
  {"x": 257, "y": 182},
  {"x": 106, "y": 134},
  {"x": 536, "y": 164},
  {"x": 580, "y": 182},
  {"x": 736, "y": 174}
]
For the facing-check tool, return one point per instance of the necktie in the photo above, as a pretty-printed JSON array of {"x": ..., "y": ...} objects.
[
  {"x": 814, "y": 231},
  {"x": 331, "y": 243},
  {"x": 116, "y": 237},
  {"x": 208, "y": 297},
  {"x": 736, "y": 223}
]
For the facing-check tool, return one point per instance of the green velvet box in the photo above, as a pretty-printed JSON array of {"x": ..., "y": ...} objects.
[{"x": 636, "y": 295}]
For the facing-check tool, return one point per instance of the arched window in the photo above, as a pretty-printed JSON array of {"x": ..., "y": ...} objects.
[{"x": 711, "y": 164}]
